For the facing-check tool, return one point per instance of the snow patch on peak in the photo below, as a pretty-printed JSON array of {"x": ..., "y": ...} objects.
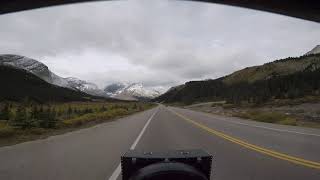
[
  {"x": 120, "y": 90},
  {"x": 131, "y": 91},
  {"x": 114, "y": 89},
  {"x": 31, "y": 65},
  {"x": 41, "y": 70},
  {"x": 80, "y": 84},
  {"x": 137, "y": 89}
]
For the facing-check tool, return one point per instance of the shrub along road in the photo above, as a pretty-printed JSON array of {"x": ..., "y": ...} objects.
[{"x": 241, "y": 149}]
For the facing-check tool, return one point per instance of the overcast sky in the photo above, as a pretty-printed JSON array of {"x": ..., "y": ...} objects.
[{"x": 156, "y": 42}]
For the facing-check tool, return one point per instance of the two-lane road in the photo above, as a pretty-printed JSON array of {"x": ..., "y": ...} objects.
[{"x": 241, "y": 149}]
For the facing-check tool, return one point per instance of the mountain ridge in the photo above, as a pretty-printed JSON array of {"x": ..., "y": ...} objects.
[
  {"x": 21, "y": 84},
  {"x": 315, "y": 50},
  {"x": 41, "y": 70},
  {"x": 122, "y": 91},
  {"x": 130, "y": 91},
  {"x": 278, "y": 79}
]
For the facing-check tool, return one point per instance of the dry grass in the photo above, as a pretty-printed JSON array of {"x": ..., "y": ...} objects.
[
  {"x": 268, "y": 117},
  {"x": 13, "y": 135},
  {"x": 78, "y": 121}
]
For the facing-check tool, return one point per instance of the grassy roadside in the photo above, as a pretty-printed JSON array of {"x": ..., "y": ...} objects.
[
  {"x": 268, "y": 117},
  {"x": 82, "y": 115},
  {"x": 276, "y": 118},
  {"x": 289, "y": 114}
]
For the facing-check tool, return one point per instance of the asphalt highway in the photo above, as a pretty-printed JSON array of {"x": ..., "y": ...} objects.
[{"x": 242, "y": 149}]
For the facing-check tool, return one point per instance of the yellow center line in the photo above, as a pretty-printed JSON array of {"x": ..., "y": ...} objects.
[{"x": 256, "y": 148}]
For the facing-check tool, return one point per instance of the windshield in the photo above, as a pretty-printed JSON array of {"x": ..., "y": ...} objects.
[{"x": 83, "y": 84}]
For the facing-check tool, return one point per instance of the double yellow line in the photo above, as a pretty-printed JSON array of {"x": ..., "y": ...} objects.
[{"x": 269, "y": 152}]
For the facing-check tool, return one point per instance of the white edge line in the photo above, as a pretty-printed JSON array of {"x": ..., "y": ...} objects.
[
  {"x": 142, "y": 131},
  {"x": 262, "y": 127},
  {"x": 117, "y": 172}
]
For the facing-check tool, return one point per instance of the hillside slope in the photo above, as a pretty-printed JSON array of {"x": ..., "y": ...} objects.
[
  {"x": 286, "y": 78},
  {"x": 269, "y": 70},
  {"x": 315, "y": 50},
  {"x": 42, "y": 71},
  {"x": 18, "y": 84}
]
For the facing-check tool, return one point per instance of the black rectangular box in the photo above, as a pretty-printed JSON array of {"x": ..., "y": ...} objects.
[{"x": 134, "y": 160}]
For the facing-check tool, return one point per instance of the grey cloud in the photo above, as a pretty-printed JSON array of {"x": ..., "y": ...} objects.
[{"x": 158, "y": 42}]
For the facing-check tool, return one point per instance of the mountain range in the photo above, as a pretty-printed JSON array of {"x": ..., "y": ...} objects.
[
  {"x": 42, "y": 71},
  {"x": 20, "y": 84},
  {"x": 284, "y": 78},
  {"x": 123, "y": 91},
  {"x": 131, "y": 91}
]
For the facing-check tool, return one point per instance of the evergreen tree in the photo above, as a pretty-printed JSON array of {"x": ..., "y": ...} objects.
[
  {"x": 5, "y": 112},
  {"x": 42, "y": 116},
  {"x": 76, "y": 111},
  {"x": 52, "y": 120},
  {"x": 87, "y": 111},
  {"x": 70, "y": 111},
  {"x": 49, "y": 119},
  {"x": 103, "y": 108},
  {"x": 135, "y": 106},
  {"x": 21, "y": 119},
  {"x": 34, "y": 114}
]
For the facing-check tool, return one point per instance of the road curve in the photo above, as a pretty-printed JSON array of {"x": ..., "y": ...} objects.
[{"x": 94, "y": 153}]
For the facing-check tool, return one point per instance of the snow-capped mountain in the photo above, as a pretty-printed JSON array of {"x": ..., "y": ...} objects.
[
  {"x": 115, "y": 89},
  {"x": 28, "y": 64},
  {"x": 42, "y": 71},
  {"x": 138, "y": 90},
  {"x": 124, "y": 91},
  {"x": 84, "y": 86},
  {"x": 131, "y": 91},
  {"x": 315, "y": 50}
]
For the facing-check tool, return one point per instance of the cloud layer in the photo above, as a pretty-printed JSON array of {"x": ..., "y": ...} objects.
[{"x": 158, "y": 43}]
